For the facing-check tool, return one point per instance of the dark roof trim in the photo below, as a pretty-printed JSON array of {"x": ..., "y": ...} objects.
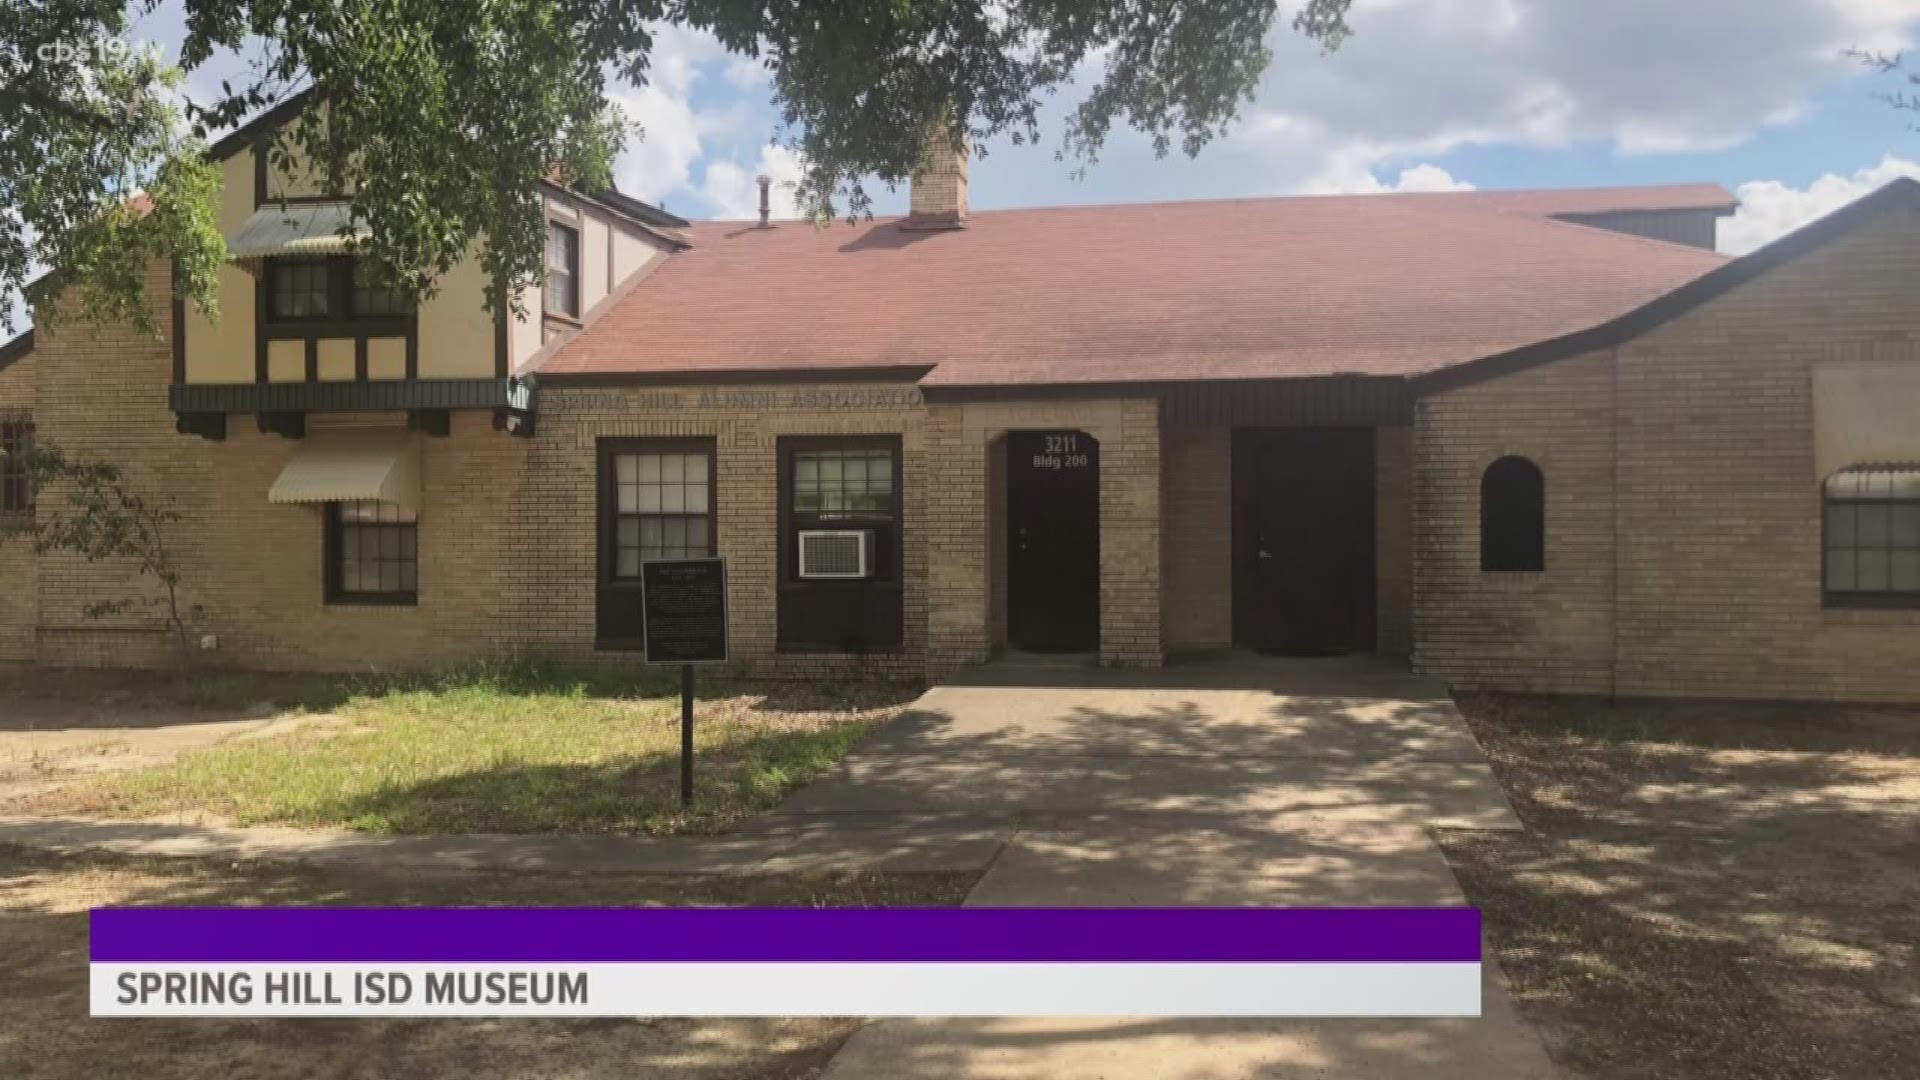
[
  {"x": 632, "y": 207},
  {"x": 15, "y": 349},
  {"x": 1718, "y": 210},
  {"x": 242, "y": 137},
  {"x": 778, "y": 376},
  {"x": 653, "y": 229},
  {"x": 1711, "y": 285},
  {"x": 1319, "y": 399}
]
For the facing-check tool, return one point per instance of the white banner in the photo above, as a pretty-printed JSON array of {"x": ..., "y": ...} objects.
[{"x": 1376, "y": 989}]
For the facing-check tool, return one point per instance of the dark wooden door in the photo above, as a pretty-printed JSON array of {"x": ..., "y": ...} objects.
[
  {"x": 1303, "y": 540},
  {"x": 1053, "y": 541}
]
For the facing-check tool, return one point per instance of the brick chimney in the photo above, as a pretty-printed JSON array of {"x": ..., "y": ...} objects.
[{"x": 939, "y": 185}]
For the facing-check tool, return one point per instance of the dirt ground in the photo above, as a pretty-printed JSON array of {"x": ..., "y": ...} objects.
[
  {"x": 1706, "y": 890},
  {"x": 45, "y": 1033}
]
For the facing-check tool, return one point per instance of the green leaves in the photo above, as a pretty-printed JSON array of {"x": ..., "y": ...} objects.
[
  {"x": 442, "y": 119},
  {"x": 99, "y": 173}
]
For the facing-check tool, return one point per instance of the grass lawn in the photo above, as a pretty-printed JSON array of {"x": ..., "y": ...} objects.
[
  {"x": 1706, "y": 890},
  {"x": 511, "y": 750},
  {"x": 48, "y": 1036}
]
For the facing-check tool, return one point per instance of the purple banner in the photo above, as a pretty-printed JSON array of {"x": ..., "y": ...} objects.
[{"x": 720, "y": 935}]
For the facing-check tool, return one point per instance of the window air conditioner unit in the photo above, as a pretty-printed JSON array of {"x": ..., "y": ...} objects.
[{"x": 830, "y": 554}]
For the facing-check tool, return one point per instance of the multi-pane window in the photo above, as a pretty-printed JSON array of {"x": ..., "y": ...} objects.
[
  {"x": 662, "y": 508},
  {"x": 373, "y": 552},
  {"x": 299, "y": 290},
  {"x": 563, "y": 270},
  {"x": 1873, "y": 537},
  {"x": 372, "y": 295},
  {"x": 16, "y": 476},
  {"x": 842, "y": 483}
]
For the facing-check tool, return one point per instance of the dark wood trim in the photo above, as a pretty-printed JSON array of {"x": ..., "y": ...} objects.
[
  {"x": 501, "y": 339},
  {"x": 605, "y": 516},
  {"x": 13, "y": 350},
  {"x": 209, "y": 426},
  {"x": 244, "y": 136},
  {"x": 287, "y": 425},
  {"x": 178, "y": 331},
  {"x": 1901, "y": 193},
  {"x": 259, "y": 174},
  {"x": 332, "y": 593},
  {"x": 412, "y": 330},
  {"x": 339, "y": 323},
  {"x": 1333, "y": 400},
  {"x": 373, "y": 396},
  {"x": 260, "y": 286},
  {"x": 781, "y": 376},
  {"x": 435, "y": 422}
]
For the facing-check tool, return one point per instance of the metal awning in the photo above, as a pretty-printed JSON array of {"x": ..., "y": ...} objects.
[
  {"x": 294, "y": 229},
  {"x": 349, "y": 466}
]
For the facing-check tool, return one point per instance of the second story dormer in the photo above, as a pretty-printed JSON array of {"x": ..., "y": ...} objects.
[{"x": 305, "y": 327}]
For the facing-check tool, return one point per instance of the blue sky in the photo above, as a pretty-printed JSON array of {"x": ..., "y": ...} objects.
[
  {"x": 1754, "y": 94},
  {"x": 1428, "y": 93}
]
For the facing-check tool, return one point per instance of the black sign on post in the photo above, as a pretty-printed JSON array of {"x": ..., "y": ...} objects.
[{"x": 684, "y": 602}]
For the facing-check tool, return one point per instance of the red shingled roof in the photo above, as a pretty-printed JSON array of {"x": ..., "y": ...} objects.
[{"x": 1396, "y": 284}]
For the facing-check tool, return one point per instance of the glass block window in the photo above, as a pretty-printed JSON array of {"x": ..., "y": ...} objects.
[
  {"x": 16, "y": 479},
  {"x": 371, "y": 296},
  {"x": 1872, "y": 537},
  {"x": 663, "y": 508},
  {"x": 299, "y": 290},
  {"x": 563, "y": 270},
  {"x": 843, "y": 483},
  {"x": 375, "y": 552}
]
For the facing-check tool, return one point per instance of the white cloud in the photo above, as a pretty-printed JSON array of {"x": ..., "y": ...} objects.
[
  {"x": 733, "y": 192},
  {"x": 659, "y": 158},
  {"x": 1425, "y": 176},
  {"x": 1770, "y": 209},
  {"x": 1420, "y": 79}
]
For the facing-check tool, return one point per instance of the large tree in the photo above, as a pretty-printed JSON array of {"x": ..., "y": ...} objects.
[{"x": 442, "y": 115}]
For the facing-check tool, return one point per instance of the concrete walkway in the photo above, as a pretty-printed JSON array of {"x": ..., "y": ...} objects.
[
  {"x": 775, "y": 845},
  {"x": 1259, "y": 782}
]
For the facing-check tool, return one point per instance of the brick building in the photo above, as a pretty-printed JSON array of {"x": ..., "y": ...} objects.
[{"x": 1537, "y": 440}]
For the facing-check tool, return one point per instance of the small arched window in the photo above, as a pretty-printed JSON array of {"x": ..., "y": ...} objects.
[{"x": 1513, "y": 516}]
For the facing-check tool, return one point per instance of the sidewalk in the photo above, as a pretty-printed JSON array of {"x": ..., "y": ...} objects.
[{"x": 775, "y": 845}]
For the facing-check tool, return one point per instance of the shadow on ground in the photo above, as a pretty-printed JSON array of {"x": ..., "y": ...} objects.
[
  {"x": 48, "y": 1035},
  {"x": 1707, "y": 890}
]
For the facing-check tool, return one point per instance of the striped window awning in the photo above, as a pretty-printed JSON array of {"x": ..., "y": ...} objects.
[
  {"x": 351, "y": 466},
  {"x": 321, "y": 228}
]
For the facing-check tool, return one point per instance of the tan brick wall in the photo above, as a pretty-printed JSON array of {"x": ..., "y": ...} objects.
[
  {"x": 1198, "y": 582},
  {"x": 1720, "y": 504},
  {"x": 554, "y": 523},
  {"x": 1531, "y": 631},
  {"x": 18, "y": 566},
  {"x": 255, "y": 568},
  {"x": 507, "y": 526},
  {"x": 1393, "y": 540},
  {"x": 1718, "y": 529},
  {"x": 961, "y": 439}
]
